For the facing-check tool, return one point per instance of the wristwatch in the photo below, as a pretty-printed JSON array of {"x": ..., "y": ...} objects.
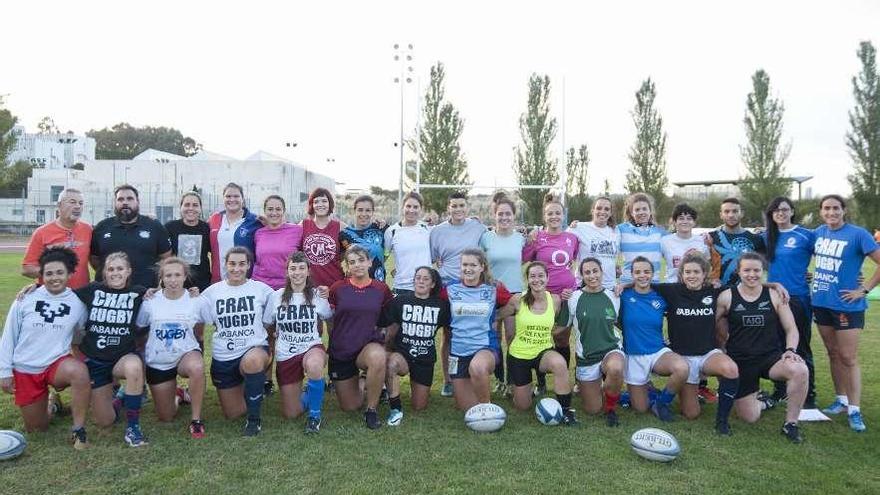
[
  {"x": 864, "y": 290},
  {"x": 792, "y": 349}
]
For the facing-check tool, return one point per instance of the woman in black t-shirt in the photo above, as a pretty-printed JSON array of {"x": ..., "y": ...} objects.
[
  {"x": 690, "y": 318},
  {"x": 109, "y": 345},
  {"x": 752, "y": 314},
  {"x": 190, "y": 239},
  {"x": 414, "y": 320}
]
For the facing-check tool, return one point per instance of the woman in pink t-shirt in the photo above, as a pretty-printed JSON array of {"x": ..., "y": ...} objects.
[
  {"x": 320, "y": 239},
  {"x": 274, "y": 243},
  {"x": 558, "y": 250}
]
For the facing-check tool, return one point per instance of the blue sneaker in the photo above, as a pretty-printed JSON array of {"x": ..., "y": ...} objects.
[
  {"x": 856, "y": 423},
  {"x": 134, "y": 437},
  {"x": 624, "y": 400},
  {"x": 395, "y": 417},
  {"x": 836, "y": 407},
  {"x": 446, "y": 391},
  {"x": 662, "y": 411}
]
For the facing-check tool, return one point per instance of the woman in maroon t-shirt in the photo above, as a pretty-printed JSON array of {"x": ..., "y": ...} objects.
[
  {"x": 355, "y": 340},
  {"x": 320, "y": 240}
]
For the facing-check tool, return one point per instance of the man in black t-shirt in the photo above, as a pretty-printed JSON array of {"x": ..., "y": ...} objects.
[
  {"x": 729, "y": 242},
  {"x": 143, "y": 239}
]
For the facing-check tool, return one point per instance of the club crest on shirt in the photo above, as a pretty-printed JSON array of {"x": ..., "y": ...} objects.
[
  {"x": 739, "y": 307},
  {"x": 707, "y": 300},
  {"x": 790, "y": 242},
  {"x": 655, "y": 304},
  {"x": 484, "y": 294},
  {"x": 49, "y": 313},
  {"x": 106, "y": 235},
  {"x": 145, "y": 234}
]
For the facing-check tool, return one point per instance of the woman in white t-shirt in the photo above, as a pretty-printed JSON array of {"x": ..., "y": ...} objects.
[
  {"x": 409, "y": 242},
  {"x": 674, "y": 247},
  {"x": 240, "y": 345},
  {"x": 599, "y": 239},
  {"x": 293, "y": 314},
  {"x": 172, "y": 349}
]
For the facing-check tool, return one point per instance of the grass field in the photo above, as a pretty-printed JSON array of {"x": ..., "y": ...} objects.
[{"x": 434, "y": 452}]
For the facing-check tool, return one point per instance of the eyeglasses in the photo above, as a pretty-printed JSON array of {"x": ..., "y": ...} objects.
[{"x": 782, "y": 210}]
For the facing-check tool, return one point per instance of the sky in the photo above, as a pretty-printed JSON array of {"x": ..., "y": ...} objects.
[{"x": 246, "y": 76}]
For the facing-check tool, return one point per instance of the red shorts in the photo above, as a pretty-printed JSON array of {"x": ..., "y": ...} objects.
[
  {"x": 30, "y": 388},
  {"x": 291, "y": 370}
]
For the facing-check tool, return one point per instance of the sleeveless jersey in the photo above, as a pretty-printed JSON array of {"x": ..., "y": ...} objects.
[
  {"x": 533, "y": 331},
  {"x": 753, "y": 326}
]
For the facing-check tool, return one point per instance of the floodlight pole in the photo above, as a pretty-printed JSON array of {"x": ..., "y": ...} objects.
[{"x": 403, "y": 56}]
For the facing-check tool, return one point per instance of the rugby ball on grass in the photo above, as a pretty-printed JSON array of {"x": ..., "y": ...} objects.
[
  {"x": 655, "y": 444},
  {"x": 548, "y": 411},
  {"x": 12, "y": 444},
  {"x": 485, "y": 417}
]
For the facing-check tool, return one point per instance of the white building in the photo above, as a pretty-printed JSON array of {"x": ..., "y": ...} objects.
[
  {"x": 160, "y": 179},
  {"x": 51, "y": 151}
]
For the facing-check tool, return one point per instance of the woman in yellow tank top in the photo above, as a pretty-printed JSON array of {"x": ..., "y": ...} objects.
[{"x": 532, "y": 346}]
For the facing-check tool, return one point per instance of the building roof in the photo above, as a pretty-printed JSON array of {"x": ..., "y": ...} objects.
[
  {"x": 265, "y": 156},
  {"x": 734, "y": 182},
  {"x": 152, "y": 155}
]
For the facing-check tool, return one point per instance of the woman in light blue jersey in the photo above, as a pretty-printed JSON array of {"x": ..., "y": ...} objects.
[{"x": 639, "y": 236}]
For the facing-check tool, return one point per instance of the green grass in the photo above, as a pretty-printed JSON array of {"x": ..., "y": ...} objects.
[{"x": 434, "y": 452}]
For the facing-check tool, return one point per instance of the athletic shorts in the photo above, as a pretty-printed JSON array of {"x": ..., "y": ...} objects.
[
  {"x": 639, "y": 366},
  {"x": 840, "y": 320},
  {"x": 291, "y": 370},
  {"x": 752, "y": 369},
  {"x": 421, "y": 371},
  {"x": 33, "y": 387},
  {"x": 695, "y": 366},
  {"x": 459, "y": 366},
  {"x": 156, "y": 376},
  {"x": 519, "y": 371},
  {"x": 342, "y": 370},
  {"x": 227, "y": 374},
  {"x": 101, "y": 372},
  {"x": 593, "y": 372}
]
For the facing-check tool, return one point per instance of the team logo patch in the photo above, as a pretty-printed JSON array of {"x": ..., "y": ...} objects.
[
  {"x": 707, "y": 300},
  {"x": 739, "y": 307},
  {"x": 320, "y": 248},
  {"x": 145, "y": 234},
  {"x": 484, "y": 294},
  {"x": 49, "y": 313},
  {"x": 763, "y": 304},
  {"x": 790, "y": 242},
  {"x": 655, "y": 304},
  {"x": 843, "y": 320},
  {"x": 107, "y": 235}
]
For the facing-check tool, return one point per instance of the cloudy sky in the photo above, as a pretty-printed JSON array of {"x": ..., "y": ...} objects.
[{"x": 245, "y": 76}]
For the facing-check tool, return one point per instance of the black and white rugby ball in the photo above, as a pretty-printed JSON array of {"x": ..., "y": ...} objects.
[
  {"x": 655, "y": 444},
  {"x": 485, "y": 418}
]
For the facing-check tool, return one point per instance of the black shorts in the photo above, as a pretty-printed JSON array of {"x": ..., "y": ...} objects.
[
  {"x": 519, "y": 371},
  {"x": 101, "y": 372},
  {"x": 459, "y": 366},
  {"x": 421, "y": 371},
  {"x": 342, "y": 370},
  {"x": 156, "y": 376},
  {"x": 840, "y": 320},
  {"x": 227, "y": 374},
  {"x": 752, "y": 369}
]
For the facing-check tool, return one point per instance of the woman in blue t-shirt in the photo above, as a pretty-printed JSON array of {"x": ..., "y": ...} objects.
[
  {"x": 789, "y": 251},
  {"x": 839, "y": 301}
]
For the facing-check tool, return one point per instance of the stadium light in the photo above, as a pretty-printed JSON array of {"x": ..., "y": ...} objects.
[{"x": 403, "y": 57}]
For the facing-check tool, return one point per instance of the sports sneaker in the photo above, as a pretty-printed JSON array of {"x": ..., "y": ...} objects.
[
  {"x": 383, "y": 396},
  {"x": 313, "y": 424},
  {"x": 268, "y": 388},
  {"x": 499, "y": 388},
  {"x": 623, "y": 401},
  {"x": 707, "y": 396},
  {"x": 183, "y": 397},
  {"x": 395, "y": 416},
  {"x": 779, "y": 395},
  {"x": 55, "y": 407},
  {"x": 78, "y": 437},
  {"x": 836, "y": 407},
  {"x": 662, "y": 411},
  {"x": 446, "y": 391},
  {"x": 540, "y": 390},
  {"x": 792, "y": 432},
  {"x": 856, "y": 423},
  {"x": 569, "y": 419},
  {"x": 611, "y": 419},
  {"x": 371, "y": 417},
  {"x": 134, "y": 437},
  {"x": 766, "y": 400},
  {"x": 722, "y": 428},
  {"x": 197, "y": 429},
  {"x": 252, "y": 427}
]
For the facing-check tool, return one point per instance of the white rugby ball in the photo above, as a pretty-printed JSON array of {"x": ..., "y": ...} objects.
[
  {"x": 655, "y": 444},
  {"x": 485, "y": 417},
  {"x": 12, "y": 444},
  {"x": 548, "y": 411}
]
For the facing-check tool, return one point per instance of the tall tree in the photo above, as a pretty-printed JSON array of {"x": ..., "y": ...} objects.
[
  {"x": 577, "y": 162},
  {"x": 863, "y": 140},
  {"x": 764, "y": 154},
  {"x": 7, "y": 139},
  {"x": 123, "y": 141},
  {"x": 440, "y": 156},
  {"x": 534, "y": 162},
  {"x": 647, "y": 172},
  {"x": 47, "y": 126}
]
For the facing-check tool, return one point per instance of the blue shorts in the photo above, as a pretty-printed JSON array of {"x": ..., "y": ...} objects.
[
  {"x": 101, "y": 372},
  {"x": 459, "y": 366},
  {"x": 227, "y": 374},
  {"x": 840, "y": 320}
]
